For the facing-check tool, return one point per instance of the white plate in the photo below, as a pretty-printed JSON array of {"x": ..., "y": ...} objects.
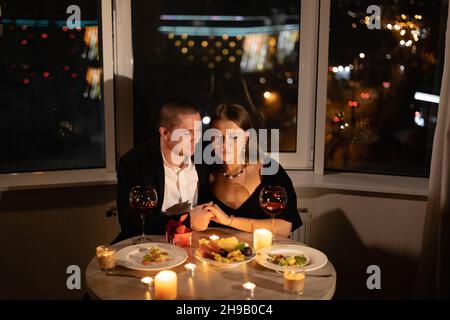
[
  {"x": 131, "y": 256},
  {"x": 199, "y": 256},
  {"x": 316, "y": 258}
]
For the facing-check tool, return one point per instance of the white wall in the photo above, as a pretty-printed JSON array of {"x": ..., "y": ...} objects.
[
  {"x": 358, "y": 229},
  {"x": 44, "y": 231}
]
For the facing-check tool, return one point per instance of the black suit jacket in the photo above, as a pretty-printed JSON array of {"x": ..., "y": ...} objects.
[{"x": 144, "y": 166}]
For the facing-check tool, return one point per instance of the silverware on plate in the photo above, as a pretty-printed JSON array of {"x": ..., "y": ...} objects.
[
  {"x": 319, "y": 275},
  {"x": 122, "y": 274}
]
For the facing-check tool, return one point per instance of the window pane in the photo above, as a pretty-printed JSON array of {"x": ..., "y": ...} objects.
[
  {"x": 378, "y": 118},
  {"x": 210, "y": 52},
  {"x": 51, "y": 109}
]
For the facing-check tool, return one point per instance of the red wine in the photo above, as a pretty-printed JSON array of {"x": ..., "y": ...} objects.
[
  {"x": 273, "y": 208},
  {"x": 142, "y": 208}
]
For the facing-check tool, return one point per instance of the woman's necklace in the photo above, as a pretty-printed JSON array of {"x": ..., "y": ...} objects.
[{"x": 232, "y": 176}]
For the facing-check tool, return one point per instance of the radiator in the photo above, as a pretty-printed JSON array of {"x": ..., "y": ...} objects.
[{"x": 302, "y": 234}]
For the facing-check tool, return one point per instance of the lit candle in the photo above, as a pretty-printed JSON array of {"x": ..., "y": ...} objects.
[
  {"x": 214, "y": 237},
  {"x": 249, "y": 288},
  {"x": 147, "y": 281},
  {"x": 191, "y": 267},
  {"x": 106, "y": 257},
  {"x": 166, "y": 285},
  {"x": 262, "y": 238}
]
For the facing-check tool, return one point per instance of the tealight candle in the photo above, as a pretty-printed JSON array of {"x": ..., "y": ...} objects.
[
  {"x": 147, "y": 281},
  {"x": 249, "y": 288},
  {"x": 191, "y": 267},
  {"x": 106, "y": 257},
  {"x": 262, "y": 238},
  {"x": 214, "y": 237},
  {"x": 166, "y": 285}
]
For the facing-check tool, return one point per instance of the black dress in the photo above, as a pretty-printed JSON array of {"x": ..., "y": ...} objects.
[{"x": 250, "y": 208}]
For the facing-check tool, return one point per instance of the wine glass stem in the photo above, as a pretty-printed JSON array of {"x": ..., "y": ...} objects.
[
  {"x": 143, "y": 226},
  {"x": 273, "y": 222}
]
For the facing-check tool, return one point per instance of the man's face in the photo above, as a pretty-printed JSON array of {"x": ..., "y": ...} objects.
[{"x": 183, "y": 137}]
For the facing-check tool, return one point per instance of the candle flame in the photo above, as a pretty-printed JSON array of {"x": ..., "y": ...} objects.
[
  {"x": 147, "y": 280},
  {"x": 190, "y": 266},
  {"x": 249, "y": 285}
]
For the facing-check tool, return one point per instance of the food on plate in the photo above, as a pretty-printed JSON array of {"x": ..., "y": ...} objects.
[
  {"x": 282, "y": 260},
  {"x": 228, "y": 244},
  {"x": 155, "y": 255},
  {"x": 226, "y": 250}
]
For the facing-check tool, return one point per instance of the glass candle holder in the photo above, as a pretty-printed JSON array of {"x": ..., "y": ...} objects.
[
  {"x": 147, "y": 281},
  {"x": 249, "y": 289},
  {"x": 106, "y": 257},
  {"x": 190, "y": 267},
  {"x": 294, "y": 280}
]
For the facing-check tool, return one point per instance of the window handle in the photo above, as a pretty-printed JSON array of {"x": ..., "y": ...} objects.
[{"x": 111, "y": 212}]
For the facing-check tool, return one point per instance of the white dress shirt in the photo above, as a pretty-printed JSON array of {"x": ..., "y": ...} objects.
[{"x": 180, "y": 188}]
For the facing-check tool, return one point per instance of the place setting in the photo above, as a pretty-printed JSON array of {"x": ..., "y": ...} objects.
[{"x": 155, "y": 264}]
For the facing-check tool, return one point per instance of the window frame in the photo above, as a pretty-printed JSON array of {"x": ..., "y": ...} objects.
[
  {"x": 303, "y": 158},
  {"x": 348, "y": 180},
  {"x": 11, "y": 181}
]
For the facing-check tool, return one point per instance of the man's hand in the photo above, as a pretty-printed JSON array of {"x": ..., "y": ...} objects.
[
  {"x": 200, "y": 217},
  {"x": 218, "y": 215}
]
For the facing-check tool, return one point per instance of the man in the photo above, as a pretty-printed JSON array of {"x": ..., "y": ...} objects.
[{"x": 166, "y": 164}]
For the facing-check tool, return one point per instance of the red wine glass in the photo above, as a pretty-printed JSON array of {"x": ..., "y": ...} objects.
[
  {"x": 273, "y": 200},
  {"x": 142, "y": 200}
]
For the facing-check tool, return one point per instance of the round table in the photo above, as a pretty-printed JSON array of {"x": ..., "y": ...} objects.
[{"x": 211, "y": 282}]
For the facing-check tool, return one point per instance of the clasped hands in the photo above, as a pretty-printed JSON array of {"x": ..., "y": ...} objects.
[{"x": 203, "y": 214}]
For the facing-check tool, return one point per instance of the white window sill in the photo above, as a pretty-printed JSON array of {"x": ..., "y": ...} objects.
[
  {"x": 361, "y": 182},
  {"x": 300, "y": 179},
  {"x": 56, "y": 179}
]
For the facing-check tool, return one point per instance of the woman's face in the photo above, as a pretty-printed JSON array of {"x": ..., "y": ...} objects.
[{"x": 230, "y": 145}]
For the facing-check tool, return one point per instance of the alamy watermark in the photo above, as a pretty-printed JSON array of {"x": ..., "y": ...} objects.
[
  {"x": 235, "y": 146},
  {"x": 374, "y": 20},
  {"x": 73, "y": 281},
  {"x": 374, "y": 280},
  {"x": 74, "y": 20}
]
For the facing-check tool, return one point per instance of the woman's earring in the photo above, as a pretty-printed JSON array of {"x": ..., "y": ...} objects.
[{"x": 243, "y": 152}]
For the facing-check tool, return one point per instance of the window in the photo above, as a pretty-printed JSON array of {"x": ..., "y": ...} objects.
[
  {"x": 383, "y": 86},
  {"x": 209, "y": 52},
  {"x": 51, "y": 87}
]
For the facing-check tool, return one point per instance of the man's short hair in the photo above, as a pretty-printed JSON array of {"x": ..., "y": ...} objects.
[{"x": 170, "y": 109}]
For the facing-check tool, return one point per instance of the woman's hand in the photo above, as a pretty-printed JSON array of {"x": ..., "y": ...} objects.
[
  {"x": 200, "y": 217},
  {"x": 219, "y": 216}
]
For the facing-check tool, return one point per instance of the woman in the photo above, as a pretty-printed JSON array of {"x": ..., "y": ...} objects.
[{"x": 236, "y": 183}]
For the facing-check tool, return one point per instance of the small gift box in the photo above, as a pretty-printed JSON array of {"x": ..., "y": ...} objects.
[{"x": 177, "y": 233}]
